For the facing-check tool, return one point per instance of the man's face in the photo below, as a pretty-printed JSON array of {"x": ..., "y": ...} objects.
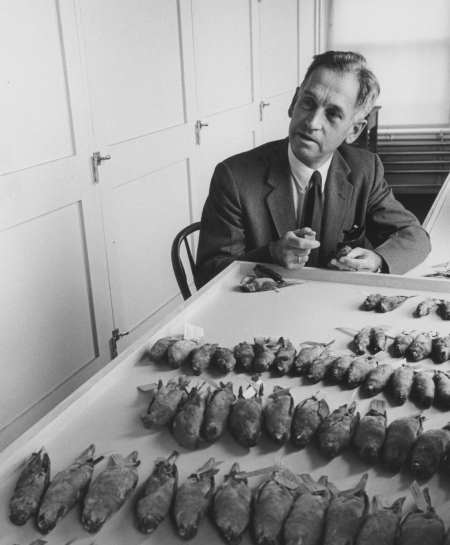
[{"x": 323, "y": 116}]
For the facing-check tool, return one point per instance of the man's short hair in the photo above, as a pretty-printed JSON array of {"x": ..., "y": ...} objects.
[{"x": 354, "y": 63}]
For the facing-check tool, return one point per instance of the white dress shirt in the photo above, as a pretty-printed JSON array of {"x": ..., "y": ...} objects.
[{"x": 300, "y": 176}]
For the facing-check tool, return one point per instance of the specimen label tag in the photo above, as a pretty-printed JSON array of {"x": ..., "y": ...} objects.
[
  {"x": 288, "y": 479},
  {"x": 210, "y": 381},
  {"x": 270, "y": 340},
  {"x": 418, "y": 497},
  {"x": 148, "y": 387},
  {"x": 249, "y": 393},
  {"x": 193, "y": 332},
  {"x": 256, "y": 472}
]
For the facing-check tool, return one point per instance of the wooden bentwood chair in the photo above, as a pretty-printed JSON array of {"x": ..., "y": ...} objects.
[{"x": 177, "y": 264}]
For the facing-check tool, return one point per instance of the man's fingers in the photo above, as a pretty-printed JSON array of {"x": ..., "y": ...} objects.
[
  {"x": 357, "y": 253},
  {"x": 341, "y": 266},
  {"x": 355, "y": 264},
  {"x": 304, "y": 231},
  {"x": 297, "y": 261},
  {"x": 294, "y": 241}
]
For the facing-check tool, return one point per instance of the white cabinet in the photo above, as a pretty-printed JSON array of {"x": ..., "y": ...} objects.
[
  {"x": 56, "y": 314},
  {"x": 130, "y": 80}
]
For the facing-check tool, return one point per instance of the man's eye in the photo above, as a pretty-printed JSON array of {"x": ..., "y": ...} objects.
[
  {"x": 334, "y": 115},
  {"x": 307, "y": 103}
]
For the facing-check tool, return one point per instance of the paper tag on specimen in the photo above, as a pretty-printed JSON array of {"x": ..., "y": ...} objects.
[
  {"x": 148, "y": 387},
  {"x": 249, "y": 393},
  {"x": 193, "y": 332}
]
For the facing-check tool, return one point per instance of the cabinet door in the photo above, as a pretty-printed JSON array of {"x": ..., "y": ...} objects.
[
  {"x": 56, "y": 316},
  {"x": 279, "y": 36},
  {"x": 226, "y": 48},
  {"x": 140, "y": 72}
]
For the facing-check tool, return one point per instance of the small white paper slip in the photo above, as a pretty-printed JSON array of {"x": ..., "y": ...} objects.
[
  {"x": 256, "y": 472},
  {"x": 288, "y": 479},
  {"x": 148, "y": 387},
  {"x": 193, "y": 332},
  {"x": 210, "y": 381},
  {"x": 255, "y": 384},
  {"x": 270, "y": 340},
  {"x": 249, "y": 393},
  {"x": 309, "y": 237},
  {"x": 419, "y": 497},
  {"x": 343, "y": 352}
]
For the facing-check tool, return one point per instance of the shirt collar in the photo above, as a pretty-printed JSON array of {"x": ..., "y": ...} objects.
[{"x": 302, "y": 174}]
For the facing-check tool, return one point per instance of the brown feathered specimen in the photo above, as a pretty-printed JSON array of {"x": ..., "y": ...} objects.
[
  {"x": 193, "y": 498},
  {"x": 272, "y": 506},
  {"x": 401, "y": 435},
  {"x": 380, "y": 527},
  {"x": 305, "y": 522},
  {"x": 346, "y": 515},
  {"x": 371, "y": 432},
  {"x": 231, "y": 509},
  {"x": 217, "y": 412},
  {"x": 422, "y": 525},
  {"x": 158, "y": 495},
  {"x": 30, "y": 488},
  {"x": 401, "y": 383},
  {"x": 308, "y": 416},
  {"x": 109, "y": 491},
  {"x": 429, "y": 451},
  {"x": 188, "y": 422},
  {"x": 244, "y": 354},
  {"x": 66, "y": 489},
  {"x": 278, "y": 415},
  {"x": 164, "y": 405},
  {"x": 246, "y": 418},
  {"x": 337, "y": 429}
]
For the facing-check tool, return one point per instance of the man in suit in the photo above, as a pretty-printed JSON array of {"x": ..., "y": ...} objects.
[{"x": 264, "y": 204}]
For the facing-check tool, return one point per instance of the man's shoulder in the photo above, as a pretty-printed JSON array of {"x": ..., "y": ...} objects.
[
  {"x": 262, "y": 155},
  {"x": 356, "y": 156}
]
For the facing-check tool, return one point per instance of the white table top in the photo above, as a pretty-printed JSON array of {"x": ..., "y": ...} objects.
[
  {"x": 437, "y": 224},
  {"x": 106, "y": 410}
]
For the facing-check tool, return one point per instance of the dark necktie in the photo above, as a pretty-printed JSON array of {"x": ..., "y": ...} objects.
[{"x": 313, "y": 212}]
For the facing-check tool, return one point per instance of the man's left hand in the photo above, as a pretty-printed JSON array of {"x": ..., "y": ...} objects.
[{"x": 359, "y": 259}]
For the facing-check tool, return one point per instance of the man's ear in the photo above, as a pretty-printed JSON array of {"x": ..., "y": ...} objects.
[
  {"x": 294, "y": 100},
  {"x": 355, "y": 131}
]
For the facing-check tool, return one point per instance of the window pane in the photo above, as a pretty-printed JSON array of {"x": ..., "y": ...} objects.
[{"x": 407, "y": 45}]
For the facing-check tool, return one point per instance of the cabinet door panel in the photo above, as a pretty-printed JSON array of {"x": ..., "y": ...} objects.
[
  {"x": 142, "y": 103},
  {"x": 223, "y": 54},
  {"x": 36, "y": 82},
  {"x": 144, "y": 235},
  {"x": 56, "y": 319},
  {"x": 226, "y": 42},
  {"x": 279, "y": 30}
]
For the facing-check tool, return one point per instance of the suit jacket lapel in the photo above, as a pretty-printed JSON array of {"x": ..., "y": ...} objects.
[
  {"x": 338, "y": 192},
  {"x": 280, "y": 200}
]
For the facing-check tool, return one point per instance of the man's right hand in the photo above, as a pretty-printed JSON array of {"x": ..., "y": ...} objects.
[{"x": 291, "y": 251}]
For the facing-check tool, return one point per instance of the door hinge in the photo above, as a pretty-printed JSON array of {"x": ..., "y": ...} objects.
[
  {"x": 116, "y": 335},
  {"x": 198, "y": 128},
  {"x": 96, "y": 162}
]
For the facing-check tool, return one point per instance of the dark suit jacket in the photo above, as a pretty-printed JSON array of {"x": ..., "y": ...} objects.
[{"x": 250, "y": 205}]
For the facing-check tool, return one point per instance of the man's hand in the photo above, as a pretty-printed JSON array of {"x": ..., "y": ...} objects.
[
  {"x": 291, "y": 251},
  {"x": 359, "y": 259}
]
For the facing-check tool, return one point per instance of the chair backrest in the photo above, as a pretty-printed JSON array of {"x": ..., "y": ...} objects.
[{"x": 177, "y": 264}]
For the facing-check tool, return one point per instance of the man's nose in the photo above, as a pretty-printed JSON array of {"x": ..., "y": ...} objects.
[{"x": 314, "y": 120}]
